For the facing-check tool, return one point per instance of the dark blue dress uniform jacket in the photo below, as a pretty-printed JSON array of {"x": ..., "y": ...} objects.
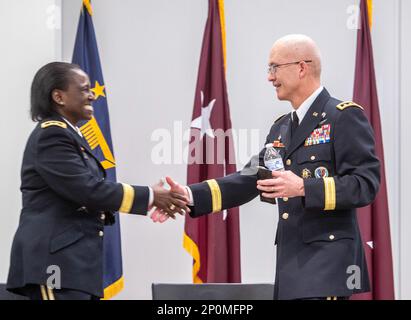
[
  {"x": 318, "y": 239},
  {"x": 66, "y": 202}
]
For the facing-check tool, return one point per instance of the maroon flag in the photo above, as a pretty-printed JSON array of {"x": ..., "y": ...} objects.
[
  {"x": 212, "y": 240},
  {"x": 373, "y": 219}
]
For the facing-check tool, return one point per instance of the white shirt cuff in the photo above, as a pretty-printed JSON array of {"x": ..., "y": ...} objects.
[
  {"x": 150, "y": 197},
  {"x": 190, "y": 196}
]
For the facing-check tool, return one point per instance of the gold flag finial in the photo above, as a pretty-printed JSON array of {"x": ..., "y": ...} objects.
[
  {"x": 222, "y": 23},
  {"x": 369, "y": 9},
  {"x": 87, "y": 4}
]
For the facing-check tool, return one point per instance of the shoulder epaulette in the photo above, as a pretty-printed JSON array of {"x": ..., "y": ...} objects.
[
  {"x": 280, "y": 117},
  {"x": 54, "y": 123},
  {"x": 347, "y": 104}
]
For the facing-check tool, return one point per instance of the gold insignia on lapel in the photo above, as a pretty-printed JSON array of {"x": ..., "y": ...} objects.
[
  {"x": 315, "y": 114},
  {"x": 306, "y": 173},
  {"x": 54, "y": 123},
  {"x": 347, "y": 104}
]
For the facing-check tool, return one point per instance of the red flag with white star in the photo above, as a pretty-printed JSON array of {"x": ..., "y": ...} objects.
[
  {"x": 212, "y": 240},
  {"x": 373, "y": 219}
]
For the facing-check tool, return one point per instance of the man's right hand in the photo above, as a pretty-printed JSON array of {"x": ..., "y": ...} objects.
[
  {"x": 168, "y": 201},
  {"x": 159, "y": 215},
  {"x": 177, "y": 188}
]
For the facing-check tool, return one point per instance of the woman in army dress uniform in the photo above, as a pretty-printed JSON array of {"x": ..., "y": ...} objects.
[{"x": 66, "y": 199}]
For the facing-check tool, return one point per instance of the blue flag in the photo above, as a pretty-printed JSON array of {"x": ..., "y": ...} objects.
[{"x": 97, "y": 133}]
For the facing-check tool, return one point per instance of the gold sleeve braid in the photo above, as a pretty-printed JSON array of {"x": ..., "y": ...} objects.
[
  {"x": 330, "y": 194},
  {"x": 128, "y": 198},
  {"x": 215, "y": 195}
]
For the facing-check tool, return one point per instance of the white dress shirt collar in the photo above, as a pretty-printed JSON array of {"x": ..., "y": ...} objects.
[
  {"x": 75, "y": 128},
  {"x": 303, "y": 108}
]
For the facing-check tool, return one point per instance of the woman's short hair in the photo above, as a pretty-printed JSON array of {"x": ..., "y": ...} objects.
[{"x": 54, "y": 75}]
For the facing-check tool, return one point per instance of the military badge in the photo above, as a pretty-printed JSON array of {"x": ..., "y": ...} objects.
[
  {"x": 306, "y": 173},
  {"x": 319, "y": 136},
  {"x": 321, "y": 172}
]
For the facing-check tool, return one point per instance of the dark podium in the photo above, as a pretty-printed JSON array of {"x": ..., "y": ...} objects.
[
  {"x": 212, "y": 291},
  {"x": 6, "y": 295}
]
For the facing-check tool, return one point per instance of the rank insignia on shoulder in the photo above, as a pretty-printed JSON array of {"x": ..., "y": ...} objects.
[
  {"x": 278, "y": 144},
  {"x": 347, "y": 104},
  {"x": 319, "y": 136},
  {"x": 54, "y": 123}
]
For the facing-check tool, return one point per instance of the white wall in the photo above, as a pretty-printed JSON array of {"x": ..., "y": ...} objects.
[
  {"x": 404, "y": 234},
  {"x": 30, "y": 37},
  {"x": 149, "y": 52},
  {"x": 386, "y": 45}
]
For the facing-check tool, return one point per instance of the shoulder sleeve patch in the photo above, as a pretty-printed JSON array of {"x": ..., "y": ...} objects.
[
  {"x": 53, "y": 123},
  {"x": 280, "y": 117},
  {"x": 347, "y": 104}
]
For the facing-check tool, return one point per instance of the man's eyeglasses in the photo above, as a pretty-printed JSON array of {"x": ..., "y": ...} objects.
[{"x": 272, "y": 68}]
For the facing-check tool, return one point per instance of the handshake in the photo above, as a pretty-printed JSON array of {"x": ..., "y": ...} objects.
[{"x": 167, "y": 203}]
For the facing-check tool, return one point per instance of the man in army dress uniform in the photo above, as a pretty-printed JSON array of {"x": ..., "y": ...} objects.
[{"x": 331, "y": 169}]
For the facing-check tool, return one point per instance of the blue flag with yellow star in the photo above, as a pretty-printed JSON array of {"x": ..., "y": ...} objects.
[{"x": 97, "y": 133}]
